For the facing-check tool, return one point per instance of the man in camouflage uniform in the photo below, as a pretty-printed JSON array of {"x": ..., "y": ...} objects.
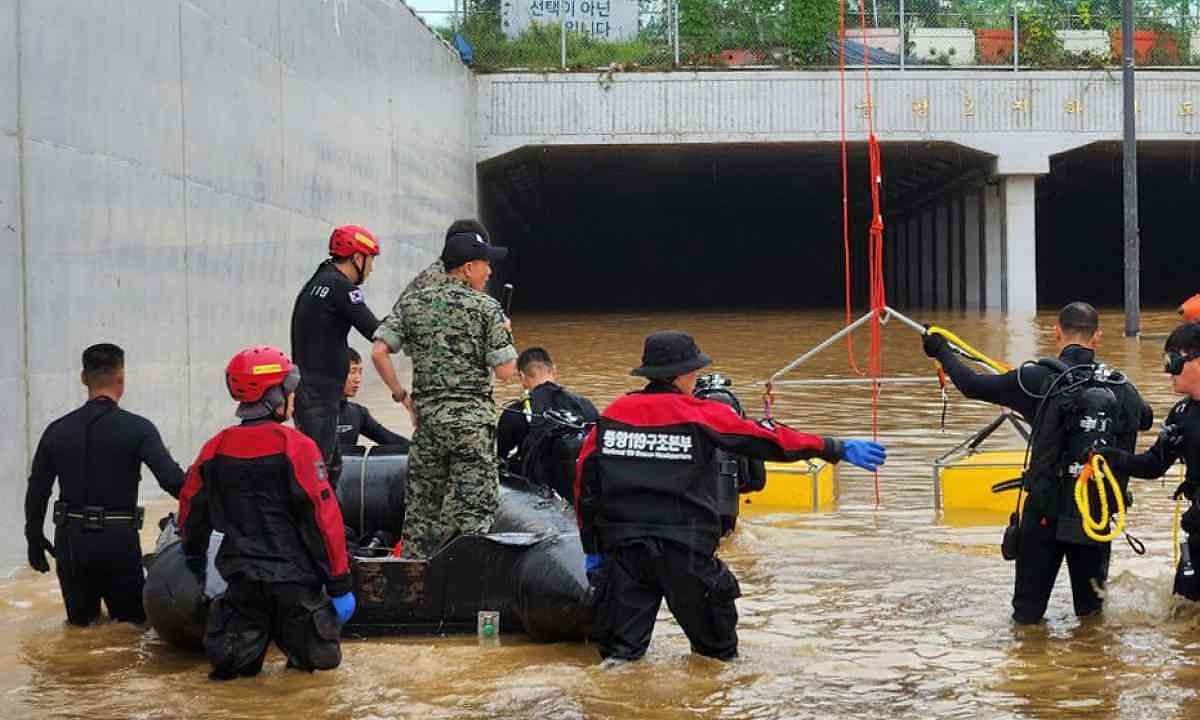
[
  {"x": 387, "y": 335},
  {"x": 458, "y": 338}
]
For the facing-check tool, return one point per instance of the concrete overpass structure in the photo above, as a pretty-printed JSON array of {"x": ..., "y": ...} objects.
[{"x": 964, "y": 240}]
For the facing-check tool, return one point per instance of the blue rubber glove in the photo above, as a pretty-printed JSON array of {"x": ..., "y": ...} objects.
[
  {"x": 592, "y": 563},
  {"x": 344, "y": 606},
  {"x": 864, "y": 454}
]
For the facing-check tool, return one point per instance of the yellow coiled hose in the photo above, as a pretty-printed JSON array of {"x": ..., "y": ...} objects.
[
  {"x": 1097, "y": 469},
  {"x": 974, "y": 354}
]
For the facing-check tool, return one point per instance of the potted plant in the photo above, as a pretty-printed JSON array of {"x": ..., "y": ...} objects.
[
  {"x": 941, "y": 39},
  {"x": 1154, "y": 42},
  {"x": 1088, "y": 40}
]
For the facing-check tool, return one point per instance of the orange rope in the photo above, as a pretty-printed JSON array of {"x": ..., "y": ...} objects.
[{"x": 878, "y": 290}]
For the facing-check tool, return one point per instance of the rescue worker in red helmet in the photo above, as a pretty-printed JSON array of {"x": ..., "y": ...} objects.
[
  {"x": 330, "y": 303},
  {"x": 263, "y": 485},
  {"x": 1190, "y": 309}
]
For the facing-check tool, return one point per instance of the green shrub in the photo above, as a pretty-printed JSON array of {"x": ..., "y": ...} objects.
[{"x": 810, "y": 25}]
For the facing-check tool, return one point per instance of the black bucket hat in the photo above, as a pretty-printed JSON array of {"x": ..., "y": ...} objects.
[{"x": 670, "y": 353}]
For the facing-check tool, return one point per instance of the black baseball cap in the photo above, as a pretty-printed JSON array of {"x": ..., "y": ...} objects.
[{"x": 463, "y": 247}]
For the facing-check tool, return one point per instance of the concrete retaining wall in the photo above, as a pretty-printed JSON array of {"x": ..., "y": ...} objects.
[{"x": 169, "y": 173}]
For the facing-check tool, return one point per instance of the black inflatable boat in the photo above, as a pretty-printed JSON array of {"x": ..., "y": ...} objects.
[{"x": 530, "y": 568}]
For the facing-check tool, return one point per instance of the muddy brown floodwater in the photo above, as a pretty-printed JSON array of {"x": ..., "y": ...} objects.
[{"x": 864, "y": 612}]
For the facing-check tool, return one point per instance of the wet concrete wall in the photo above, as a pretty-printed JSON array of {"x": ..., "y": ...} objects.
[{"x": 170, "y": 171}]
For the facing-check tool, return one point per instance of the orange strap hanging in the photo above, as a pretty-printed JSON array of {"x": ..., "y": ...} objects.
[{"x": 878, "y": 291}]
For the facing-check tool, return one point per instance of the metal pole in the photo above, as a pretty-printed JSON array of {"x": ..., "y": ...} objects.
[
  {"x": 903, "y": 37},
  {"x": 832, "y": 339},
  {"x": 562, "y": 33},
  {"x": 1133, "y": 309},
  {"x": 675, "y": 24},
  {"x": 1016, "y": 41}
]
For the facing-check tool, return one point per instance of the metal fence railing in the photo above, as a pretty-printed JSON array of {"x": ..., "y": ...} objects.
[{"x": 542, "y": 35}]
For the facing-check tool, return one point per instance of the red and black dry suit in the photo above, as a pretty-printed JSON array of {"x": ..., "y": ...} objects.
[
  {"x": 263, "y": 485},
  {"x": 646, "y": 497},
  {"x": 96, "y": 453}
]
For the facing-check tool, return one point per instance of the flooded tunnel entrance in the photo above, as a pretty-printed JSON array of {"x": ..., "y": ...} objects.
[
  {"x": 695, "y": 226},
  {"x": 1081, "y": 225}
]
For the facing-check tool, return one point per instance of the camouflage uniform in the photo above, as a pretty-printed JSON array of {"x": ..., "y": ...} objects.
[
  {"x": 455, "y": 337},
  {"x": 389, "y": 329}
]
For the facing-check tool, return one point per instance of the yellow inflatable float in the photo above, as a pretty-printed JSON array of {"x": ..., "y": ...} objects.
[{"x": 807, "y": 485}]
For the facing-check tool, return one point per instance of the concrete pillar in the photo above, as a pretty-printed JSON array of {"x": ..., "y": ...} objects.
[
  {"x": 928, "y": 261},
  {"x": 1020, "y": 242},
  {"x": 914, "y": 260},
  {"x": 972, "y": 260},
  {"x": 993, "y": 246},
  {"x": 942, "y": 243},
  {"x": 956, "y": 254}
]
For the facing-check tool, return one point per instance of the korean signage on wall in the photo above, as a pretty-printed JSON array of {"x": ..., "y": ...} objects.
[{"x": 611, "y": 20}]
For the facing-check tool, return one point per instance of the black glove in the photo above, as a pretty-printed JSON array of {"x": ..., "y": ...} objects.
[
  {"x": 1117, "y": 458},
  {"x": 1190, "y": 522},
  {"x": 38, "y": 547},
  {"x": 934, "y": 345},
  {"x": 1185, "y": 490}
]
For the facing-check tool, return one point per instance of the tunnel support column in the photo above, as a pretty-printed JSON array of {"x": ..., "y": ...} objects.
[{"x": 1020, "y": 243}]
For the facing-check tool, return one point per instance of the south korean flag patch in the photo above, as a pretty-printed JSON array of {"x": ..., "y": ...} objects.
[{"x": 356, "y": 297}]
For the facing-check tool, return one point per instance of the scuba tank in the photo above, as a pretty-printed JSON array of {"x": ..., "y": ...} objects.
[
  {"x": 1082, "y": 414},
  {"x": 735, "y": 474}
]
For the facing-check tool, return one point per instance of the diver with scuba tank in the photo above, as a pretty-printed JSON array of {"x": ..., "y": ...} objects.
[
  {"x": 1179, "y": 440},
  {"x": 1076, "y": 407},
  {"x": 536, "y": 446}
]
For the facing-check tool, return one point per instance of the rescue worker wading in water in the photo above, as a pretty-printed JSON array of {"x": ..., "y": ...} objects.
[
  {"x": 646, "y": 496},
  {"x": 264, "y": 486}
]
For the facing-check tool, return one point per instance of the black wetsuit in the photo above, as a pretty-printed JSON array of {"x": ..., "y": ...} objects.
[
  {"x": 1042, "y": 547},
  {"x": 1179, "y": 440},
  {"x": 355, "y": 420},
  {"x": 326, "y": 308},
  {"x": 514, "y": 426},
  {"x": 96, "y": 454}
]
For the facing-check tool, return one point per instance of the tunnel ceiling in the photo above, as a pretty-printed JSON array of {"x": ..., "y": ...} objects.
[{"x": 642, "y": 218}]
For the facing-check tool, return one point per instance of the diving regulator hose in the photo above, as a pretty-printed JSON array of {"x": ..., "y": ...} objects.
[{"x": 1097, "y": 469}]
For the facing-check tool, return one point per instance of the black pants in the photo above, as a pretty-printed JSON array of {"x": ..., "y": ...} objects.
[
  {"x": 95, "y": 565},
  {"x": 700, "y": 591},
  {"x": 1038, "y": 560},
  {"x": 317, "y": 402},
  {"x": 243, "y": 622}
]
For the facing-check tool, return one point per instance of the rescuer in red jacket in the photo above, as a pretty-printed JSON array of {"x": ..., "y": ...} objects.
[
  {"x": 646, "y": 496},
  {"x": 264, "y": 486}
]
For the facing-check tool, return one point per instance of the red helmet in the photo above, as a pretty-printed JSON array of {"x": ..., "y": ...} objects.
[
  {"x": 349, "y": 239},
  {"x": 1190, "y": 309},
  {"x": 255, "y": 370}
]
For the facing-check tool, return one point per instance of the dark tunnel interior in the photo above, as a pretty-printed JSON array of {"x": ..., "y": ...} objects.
[
  {"x": 1081, "y": 225},
  {"x": 692, "y": 226},
  {"x": 736, "y": 226}
]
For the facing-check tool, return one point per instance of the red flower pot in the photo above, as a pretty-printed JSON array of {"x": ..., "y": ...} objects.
[
  {"x": 1144, "y": 42},
  {"x": 995, "y": 47}
]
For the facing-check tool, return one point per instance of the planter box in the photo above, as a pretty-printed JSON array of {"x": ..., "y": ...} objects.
[
  {"x": 995, "y": 47},
  {"x": 1145, "y": 42},
  {"x": 956, "y": 44},
  {"x": 1085, "y": 42},
  {"x": 886, "y": 39},
  {"x": 741, "y": 56}
]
